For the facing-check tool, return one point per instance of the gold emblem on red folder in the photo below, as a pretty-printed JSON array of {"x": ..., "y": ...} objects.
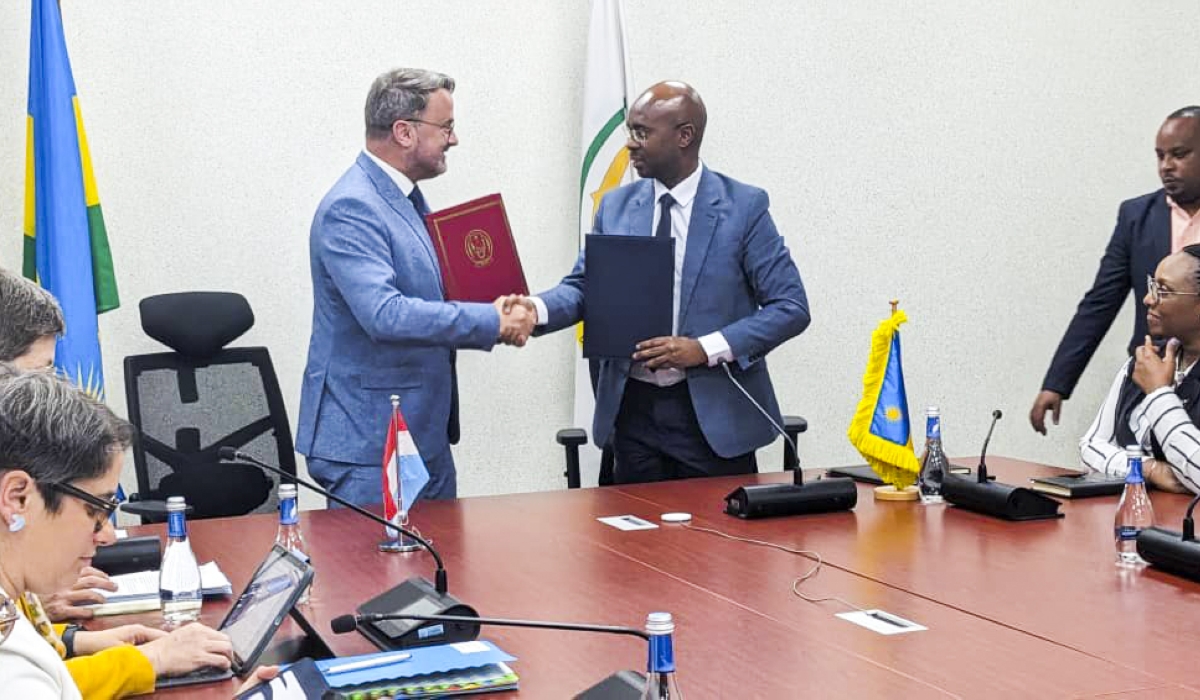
[{"x": 478, "y": 245}]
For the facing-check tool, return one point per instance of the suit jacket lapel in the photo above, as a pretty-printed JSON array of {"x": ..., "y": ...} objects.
[
  {"x": 642, "y": 219},
  {"x": 1158, "y": 222},
  {"x": 386, "y": 187},
  {"x": 701, "y": 230}
]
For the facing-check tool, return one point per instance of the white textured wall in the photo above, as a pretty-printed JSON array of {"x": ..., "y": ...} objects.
[{"x": 967, "y": 158}]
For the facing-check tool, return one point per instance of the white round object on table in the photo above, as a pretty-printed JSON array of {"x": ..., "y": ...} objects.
[{"x": 676, "y": 517}]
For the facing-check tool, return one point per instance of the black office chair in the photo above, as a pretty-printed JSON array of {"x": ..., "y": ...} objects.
[
  {"x": 572, "y": 438},
  {"x": 189, "y": 403}
]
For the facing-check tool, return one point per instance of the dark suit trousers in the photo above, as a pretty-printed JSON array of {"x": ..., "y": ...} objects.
[{"x": 657, "y": 438}]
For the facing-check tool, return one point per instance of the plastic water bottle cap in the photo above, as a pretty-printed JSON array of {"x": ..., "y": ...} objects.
[{"x": 660, "y": 623}]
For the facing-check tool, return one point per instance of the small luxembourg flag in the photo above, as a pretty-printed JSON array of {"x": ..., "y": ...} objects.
[{"x": 404, "y": 472}]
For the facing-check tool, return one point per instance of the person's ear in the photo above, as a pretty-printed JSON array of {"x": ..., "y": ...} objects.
[
  {"x": 402, "y": 132},
  {"x": 16, "y": 488},
  {"x": 687, "y": 134}
]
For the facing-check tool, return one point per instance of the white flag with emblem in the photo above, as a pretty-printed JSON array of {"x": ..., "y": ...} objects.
[{"x": 608, "y": 91}]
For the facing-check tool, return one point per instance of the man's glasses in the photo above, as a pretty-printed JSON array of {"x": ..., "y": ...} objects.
[
  {"x": 1157, "y": 292},
  {"x": 447, "y": 128},
  {"x": 98, "y": 508},
  {"x": 639, "y": 134}
]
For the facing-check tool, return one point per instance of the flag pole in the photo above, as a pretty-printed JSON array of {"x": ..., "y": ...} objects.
[{"x": 395, "y": 541}]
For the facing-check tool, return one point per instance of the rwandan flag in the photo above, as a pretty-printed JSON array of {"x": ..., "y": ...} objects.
[
  {"x": 880, "y": 429},
  {"x": 66, "y": 247}
]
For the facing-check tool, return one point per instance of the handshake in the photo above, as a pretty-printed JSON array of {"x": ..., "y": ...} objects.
[{"x": 518, "y": 316}]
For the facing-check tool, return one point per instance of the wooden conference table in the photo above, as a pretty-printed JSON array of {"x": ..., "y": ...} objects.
[{"x": 1028, "y": 610}]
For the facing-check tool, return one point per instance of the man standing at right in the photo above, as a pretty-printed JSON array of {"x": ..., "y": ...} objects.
[
  {"x": 1149, "y": 228},
  {"x": 670, "y": 409}
]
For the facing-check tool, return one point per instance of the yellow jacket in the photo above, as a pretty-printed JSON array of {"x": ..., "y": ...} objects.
[{"x": 113, "y": 673}]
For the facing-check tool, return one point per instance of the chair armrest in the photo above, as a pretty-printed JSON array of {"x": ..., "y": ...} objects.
[{"x": 571, "y": 439}]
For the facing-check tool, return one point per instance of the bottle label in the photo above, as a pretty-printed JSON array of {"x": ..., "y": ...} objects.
[
  {"x": 662, "y": 654},
  {"x": 933, "y": 428},
  {"x": 288, "y": 512},
  {"x": 1134, "y": 476},
  {"x": 176, "y": 525},
  {"x": 1126, "y": 533}
]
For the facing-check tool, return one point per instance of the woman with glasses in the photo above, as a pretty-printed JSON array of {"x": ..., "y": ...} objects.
[
  {"x": 1155, "y": 399},
  {"x": 60, "y": 459}
]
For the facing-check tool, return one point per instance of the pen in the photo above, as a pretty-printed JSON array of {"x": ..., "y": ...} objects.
[{"x": 368, "y": 663}]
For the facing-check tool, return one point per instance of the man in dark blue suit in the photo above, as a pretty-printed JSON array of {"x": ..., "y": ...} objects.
[
  {"x": 381, "y": 325},
  {"x": 1149, "y": 228},
  {"x": 670, "y": 410}
]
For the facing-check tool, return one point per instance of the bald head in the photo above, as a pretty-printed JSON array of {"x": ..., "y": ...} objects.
[{"x": 666, "y": 126}]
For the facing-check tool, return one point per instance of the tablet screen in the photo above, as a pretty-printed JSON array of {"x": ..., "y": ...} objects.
[{"x": 261, "y": 607}]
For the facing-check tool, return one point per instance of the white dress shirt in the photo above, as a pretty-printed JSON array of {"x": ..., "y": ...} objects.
[
  {"x": 714, "y": 344},
  {"x": 406, "y": 186}
]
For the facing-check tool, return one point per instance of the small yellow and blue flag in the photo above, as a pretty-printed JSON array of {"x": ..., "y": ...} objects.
[{"x": 881, "y": 429}]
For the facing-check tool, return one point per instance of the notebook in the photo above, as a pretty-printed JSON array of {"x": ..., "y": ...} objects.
[
  {"x": 138, "y": 592},
  {"x": 1079, "y": 485}
]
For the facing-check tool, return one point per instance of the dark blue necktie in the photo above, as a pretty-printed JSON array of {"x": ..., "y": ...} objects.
[
  {"x": 418, "y": 201},
  {"x": 664, "y": 216}
]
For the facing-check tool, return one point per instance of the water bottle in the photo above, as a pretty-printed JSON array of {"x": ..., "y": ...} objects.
[
  {"x": 289, "y": 536},
  {"x": 179, "y": 579},
  {"x": 934, "y": 465},
  {"x": 660, "y": 669},
  {"x": 1134, "y": 512}
]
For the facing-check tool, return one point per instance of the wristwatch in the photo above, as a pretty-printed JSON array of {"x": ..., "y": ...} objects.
[{"x": 68, "y": 639}]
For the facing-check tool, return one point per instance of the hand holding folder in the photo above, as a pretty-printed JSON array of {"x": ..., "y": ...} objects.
[{"x": 630, "y": 289}]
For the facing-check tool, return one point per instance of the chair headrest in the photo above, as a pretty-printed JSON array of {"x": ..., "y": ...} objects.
[{"x": 196, "y": 324}]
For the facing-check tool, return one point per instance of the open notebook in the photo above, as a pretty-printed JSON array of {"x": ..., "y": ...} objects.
[{"x": 138, "y": 592}]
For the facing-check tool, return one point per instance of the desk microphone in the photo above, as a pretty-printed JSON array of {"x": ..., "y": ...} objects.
[
  {"x": 415, "y": 593},
  {"x": 623, "y": 685},
  {"x": 796, "y": 498},
  {"x": 1170, "y": 551},
  {"x": 997, "y": 500}
]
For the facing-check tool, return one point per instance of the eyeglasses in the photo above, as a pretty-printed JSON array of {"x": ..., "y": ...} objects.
[
  {"x": 98, "y": 508},
  {"x": 1157, "y": 292},
  {"x": 8, "y": 616},
  {"x": 447, "y": 128},
  {"x": 639, "y": 133}
]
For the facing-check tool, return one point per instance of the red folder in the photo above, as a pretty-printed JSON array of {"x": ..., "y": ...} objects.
[{"x": 476, "y": 251}]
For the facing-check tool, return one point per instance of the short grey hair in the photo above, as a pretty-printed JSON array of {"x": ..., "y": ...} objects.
[
  {"x": 402, "y": 93},
  {"x": 27, "y": 312},
  {"x": 55, "y": 432}
]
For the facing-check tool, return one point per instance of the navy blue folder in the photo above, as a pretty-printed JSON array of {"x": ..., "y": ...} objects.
[{"x": 629, "y": 293}]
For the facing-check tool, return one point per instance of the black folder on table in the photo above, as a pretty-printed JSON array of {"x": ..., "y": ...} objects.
[
  {"x": 1086, "y": 485},
  {"x": 629, "y": 297}
]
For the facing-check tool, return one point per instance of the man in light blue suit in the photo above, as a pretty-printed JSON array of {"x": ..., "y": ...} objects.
[
  {"x": 381, "y": 325},
  {"x": 671, "y": 411}
]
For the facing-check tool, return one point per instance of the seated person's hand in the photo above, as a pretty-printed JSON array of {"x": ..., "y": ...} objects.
[
  {"x": 261, "y": 674},
  {"x": 188, "y": 648},
  {"x": 87, "y": 642},
  {"x": 1162, "y": 477},
  {"x": 70, "y": 604}
]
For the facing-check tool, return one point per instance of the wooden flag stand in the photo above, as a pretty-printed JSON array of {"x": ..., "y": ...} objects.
[{"x": 889, "y": 492}]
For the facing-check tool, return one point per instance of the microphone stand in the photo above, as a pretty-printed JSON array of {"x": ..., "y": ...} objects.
[
  {"x": 796, "y": 498},
  {"x": 997, "y": 500},
  {"x": 415, "y": 593},
  {"x": 981, "y": 471}
]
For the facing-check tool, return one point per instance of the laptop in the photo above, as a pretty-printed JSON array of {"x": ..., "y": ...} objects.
[{"x": 273, "y": 590}]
